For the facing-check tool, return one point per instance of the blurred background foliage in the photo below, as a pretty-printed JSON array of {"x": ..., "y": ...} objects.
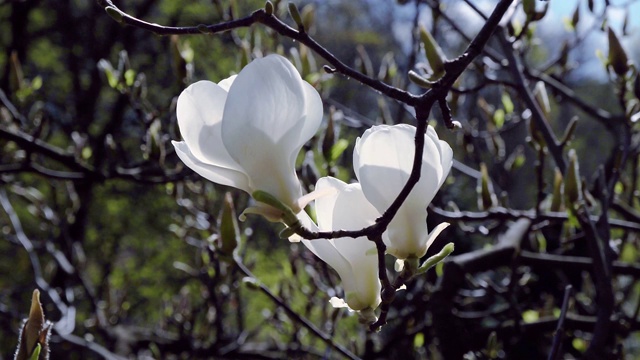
[{"x": 119, "y": 236}]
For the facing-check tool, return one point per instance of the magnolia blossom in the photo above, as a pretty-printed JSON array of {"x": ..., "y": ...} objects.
[
  {"x": 345, "y": 207},
  {"x": 247, "y": 130},
  {"x": 382, "y": 161}
]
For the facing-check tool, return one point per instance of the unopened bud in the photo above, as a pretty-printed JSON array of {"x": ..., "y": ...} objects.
[
  {"x": 540, "y": 92},
  {"x": 487, "y": 197},
  {"x": 228, "y": 227},
  {"x": 419, "y": 80},
  {"x": 433, "y": 52},
  {"x": 572, "y": 183},
  {"x": 34, "y": 337},
  {"x": 556, "y": 199},
  {"x": 437, "y": 258},
  {"x": 308, "y": 16},
  {"x": 295, "y": 15},
  {"x": 268, "y": 8},
  {"x": 115, "y": 14},
  {"x": 618, "y": 59},
  {"x": 576, "y": 17},
  {"x": 529, "y": 7},
  {"x": 329, "y": 136},
  {"x": 204, "y": 29}
]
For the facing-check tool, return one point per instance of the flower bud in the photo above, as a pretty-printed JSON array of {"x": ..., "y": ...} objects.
[
  {"x": 540, "y": 92},
  {"x": 295, "y": 15},
  {"x": 329, "y": 137},
  {"x": 556, "y": 199},
  {"x": 419, "y": 80},
  {"x": 529, "y": 7},
  {"x": 618, "y": 59},
  {"x": 487, "y": 196},
  {"x": 115, "y": 14},
  {"x": 229, "y": 236},
  {"x": 268, "y": 7},
  {"x": 308, "y": 16},
  {"x": 576, "y": 17},
  {"x": 34, "y": 337},
  {"x": 437, "y": 258},
  {"x": 572, "y": 183},
  {"x": 434, "y": 54}
]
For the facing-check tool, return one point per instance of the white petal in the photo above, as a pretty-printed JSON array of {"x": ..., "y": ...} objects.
[
  {"x": 446, "y": 154},
  {"x": 435, "y": 232},
  {"x": 199, "y": 111},
  {"x": 313, "y": 117},
  {"x": 338, "y": 303},
  {"x": 263, "y": 119},
  {"x": 348, "y": 209},
  {"x": 383, "y": 159},
  {"x": 226, "y": 83},
  {"x": 217, "y": 174}
]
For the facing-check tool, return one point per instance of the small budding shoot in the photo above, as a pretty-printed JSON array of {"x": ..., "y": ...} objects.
[
  {"x": 573, "y": 185},
  {"x": 268, "y": 8},
  {"x": 487, "y": 196},
  {"x": 617, "y": 59},
  {"x": 229, "y": 236},
  {"x": 295, "y": 15},
  {"x": 34, "y": 338},
  {"x": 433, "y": 52}
]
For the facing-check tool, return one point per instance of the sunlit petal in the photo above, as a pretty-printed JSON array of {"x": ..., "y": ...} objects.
[
  {"x": 216, "y": 174},
  {"x": 264, "y": 108},
  {"x": 199, "y": 113},
  {"x": 383, "y": 159}
]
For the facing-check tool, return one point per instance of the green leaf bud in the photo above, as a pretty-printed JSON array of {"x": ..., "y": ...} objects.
[
  {"x": 487, "y": 197},
  {"x": 556, "y": 198},
  {"x": 204, "y": 29},
  {"x": 34, "y": 337},
  {"x": 437, "y": 258},
  {"x": 228, "y": 227},
  {"x": 617, "y": 59},
  {"x": 295, "y": 15},
  {"x": 419, "y": 80},
  {"x": 572, "y": 183},
  {"x": 433, "y": 52},
  {"x": 329, "y": 136},
  {"x": 115, "y": 14},
  {"x": 268, "y": 8},
  {"x": 308, "y": 16}
]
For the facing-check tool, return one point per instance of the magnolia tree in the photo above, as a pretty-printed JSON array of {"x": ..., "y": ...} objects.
[{"x": 123, "y": 210}]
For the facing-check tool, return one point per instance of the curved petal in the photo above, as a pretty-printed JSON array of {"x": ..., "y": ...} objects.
[
  {"x": 327, "y": 252},
  {"x": 383, "y": 159},
  {"x": 199, "y": 111},
  {"x": 348, "y": 209},
  {"x": 265, "y": 107},
  {"x": 226, "y": 83},
  {"x": 217, "y": 174},
  {"x": 446, "y": 153}
]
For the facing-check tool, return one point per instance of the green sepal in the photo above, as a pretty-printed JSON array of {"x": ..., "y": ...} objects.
[
  {"x": 288, "y": 216},
  {"x": 437, "y": 258},
  {"x": 115, "y": 14}
]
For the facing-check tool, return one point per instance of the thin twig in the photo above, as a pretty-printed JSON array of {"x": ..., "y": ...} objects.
[
  {"x": 559, "y": 335},
  {"x": 292, "y": 314}
]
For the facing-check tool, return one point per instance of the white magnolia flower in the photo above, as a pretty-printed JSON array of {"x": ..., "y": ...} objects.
[
  {"x": 382, "y": 161},
  {"x": 247, "y": 130},
  {"x": 355, "y": 260}
]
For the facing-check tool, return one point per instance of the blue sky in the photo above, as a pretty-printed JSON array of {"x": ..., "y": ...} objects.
[
  {"x": 551, "y": 30},
  {"x": 566, "y": 8}
]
